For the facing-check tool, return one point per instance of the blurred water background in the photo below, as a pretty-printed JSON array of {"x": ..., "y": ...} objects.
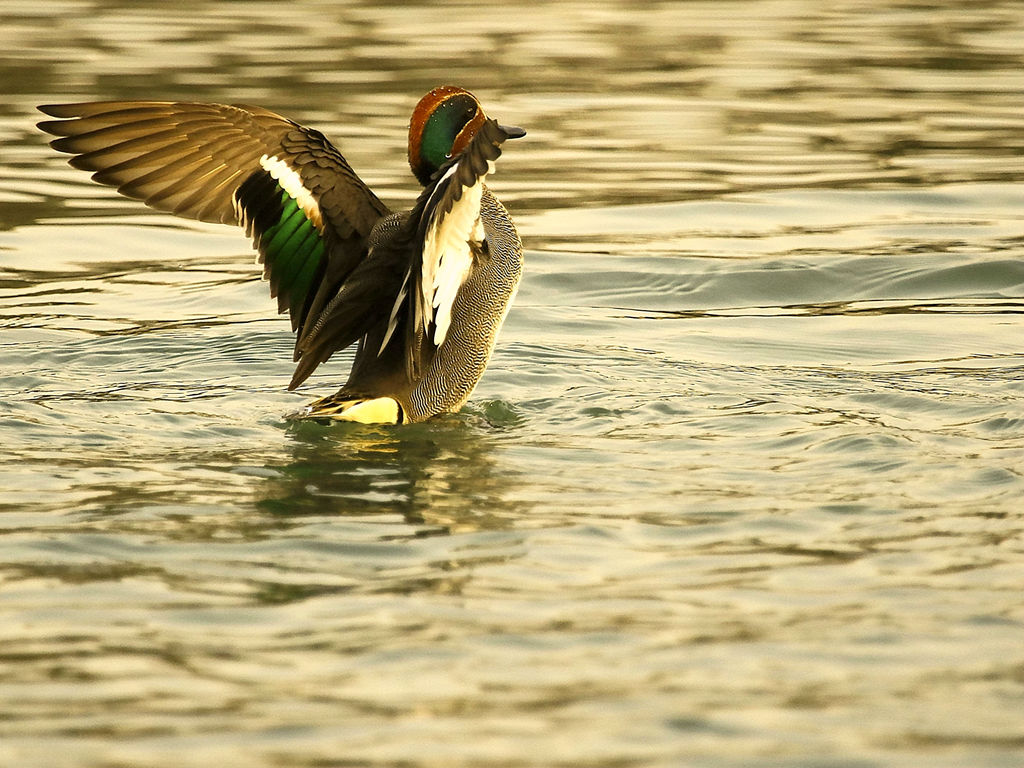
[{"x": 741, "y": 487}]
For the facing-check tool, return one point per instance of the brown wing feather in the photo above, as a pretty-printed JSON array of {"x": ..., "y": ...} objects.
[
  {"x": 191, "y": 159},
  {"x": 145, "y": 148}
]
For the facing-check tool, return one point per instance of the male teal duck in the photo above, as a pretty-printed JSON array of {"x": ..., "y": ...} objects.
[{"x": 421, "y": 293}]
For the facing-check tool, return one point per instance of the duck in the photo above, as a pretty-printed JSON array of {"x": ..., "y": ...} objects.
[{"x": 421, "y": 293}]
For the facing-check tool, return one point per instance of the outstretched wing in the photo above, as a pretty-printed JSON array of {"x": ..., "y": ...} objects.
[{"x": 307, "y": 211}]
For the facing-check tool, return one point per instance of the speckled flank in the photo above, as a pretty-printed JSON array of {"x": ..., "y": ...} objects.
[{"x": 477, "y": 315}]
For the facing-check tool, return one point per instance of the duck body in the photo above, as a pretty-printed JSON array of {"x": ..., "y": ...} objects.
[
  {"x": 455, "y": 367},
  {"x": 422, "y": 294}
]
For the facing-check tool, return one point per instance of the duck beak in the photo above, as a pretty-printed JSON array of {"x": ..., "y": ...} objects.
[{"x": 513, "y": 131}]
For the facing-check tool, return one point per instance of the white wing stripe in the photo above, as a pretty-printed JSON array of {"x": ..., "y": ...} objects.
[
  {"x": 291, "y": 183},
  {"x": 393, "y": 320},
  {"x": 431, "y": 259},
  {"x": 448, "y": 257}
]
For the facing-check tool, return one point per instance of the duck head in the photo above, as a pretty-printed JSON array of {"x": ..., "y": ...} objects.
[{"x": 442, "y": 125}]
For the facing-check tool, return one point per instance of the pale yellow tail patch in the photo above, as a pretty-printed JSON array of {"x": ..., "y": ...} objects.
[{"x": 380, "y": 410}]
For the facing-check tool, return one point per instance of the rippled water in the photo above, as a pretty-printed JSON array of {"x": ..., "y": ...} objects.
[{"x": 742, "y": 485}]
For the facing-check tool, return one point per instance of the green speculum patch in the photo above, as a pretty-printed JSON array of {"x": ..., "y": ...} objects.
[{"x": 292, "y": 249}]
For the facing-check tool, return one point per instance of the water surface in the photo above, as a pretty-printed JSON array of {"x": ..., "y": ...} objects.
[{"x": 741, "y": 486}]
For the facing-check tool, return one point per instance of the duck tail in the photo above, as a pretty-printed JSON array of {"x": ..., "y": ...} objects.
[{"x": 346, "y": 406}]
